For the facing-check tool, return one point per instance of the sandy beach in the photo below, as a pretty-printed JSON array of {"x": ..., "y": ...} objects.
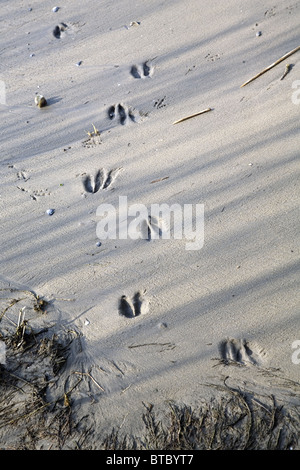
[{"x": 153, "y": 320}]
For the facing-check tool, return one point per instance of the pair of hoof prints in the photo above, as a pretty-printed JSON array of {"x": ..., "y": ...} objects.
[
  {"x": 142, "y": 71},
  {"x": 59, "y": 29},
  {"x": 240, "y": 351},
  {"x": 102, "y": 180},
  {"x": 131, "y": 308},
  {"x": 123, "y": 112}
]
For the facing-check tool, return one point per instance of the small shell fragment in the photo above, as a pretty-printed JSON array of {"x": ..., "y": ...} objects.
[
  {"x": 50, "y": 211},
  {"x": 40, "y": 101}
]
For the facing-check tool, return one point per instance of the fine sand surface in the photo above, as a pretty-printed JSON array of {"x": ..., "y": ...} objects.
[{"x": 236, "y": 298}]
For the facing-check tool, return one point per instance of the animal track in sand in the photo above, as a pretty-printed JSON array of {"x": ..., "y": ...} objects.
[
  {"x": 62, "y": 29},
  {"x": 160, "y": 103},
  {"x": 22, "y": 175},
  {"x": 240, "y": 351},
  {"x": 92, "y": 141},
  {"x": 102, "y": 180},
  {"x": 152, "y": 228},
  {"x": 142, "y": 71},
  {"x": 270, "y": 12},
  {"x": 213, "y": 58},
  {"x": 134, "y": 307},
  {"x": 59, "y": 29},
  {"x": 125, "y": 113},
  {"x": 36, "y": 193}
]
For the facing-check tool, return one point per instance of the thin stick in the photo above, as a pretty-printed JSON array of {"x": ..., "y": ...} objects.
[
  {"x": 272, "y": 65},
  {"x": 65, "y": 300},
  {"x": 160, "y": 179},
  {"x": 21, "y": 317},
  {"x": 192, "y": 115},
  {"x": 91, "y": 377},
  {"x": 151, "y": 344}
]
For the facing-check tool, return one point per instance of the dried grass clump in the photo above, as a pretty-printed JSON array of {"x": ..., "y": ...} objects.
[
  {"x": 35, "y": 385},
  {"x": 234, "y": 422}
]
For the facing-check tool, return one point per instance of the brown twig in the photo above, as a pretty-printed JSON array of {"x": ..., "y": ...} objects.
[
  {"x": 91, "y": 377},
  {"x": 160, "y": 179},
  {"x": 192, "y": 115},
  {"x": 163, "y": 345},
  {"x": 272, "y": 65}
]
